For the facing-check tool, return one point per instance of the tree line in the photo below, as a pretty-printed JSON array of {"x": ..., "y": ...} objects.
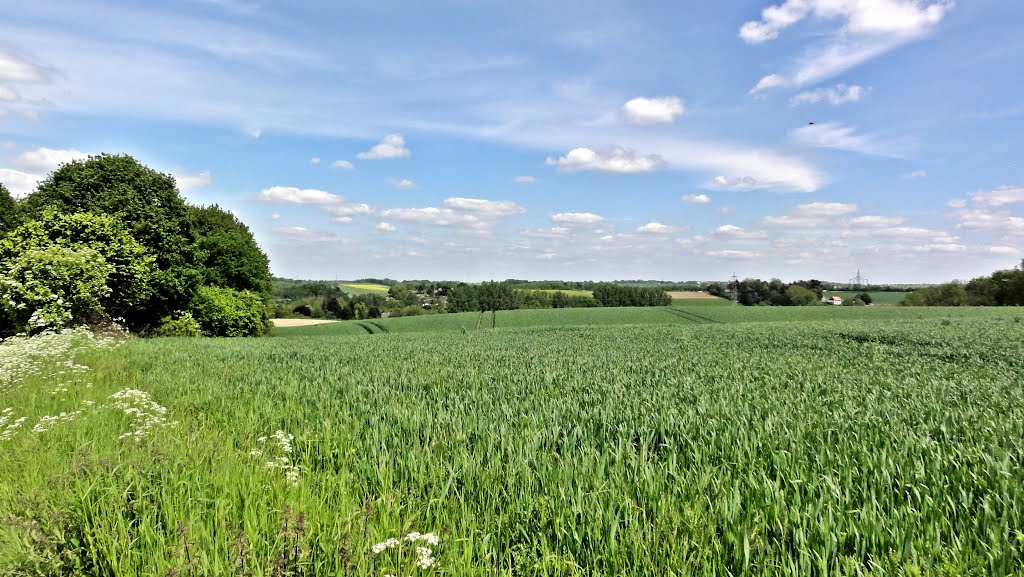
[
  {"x": 107, "y": 239},
  {"x": 1001, "y": 288}
]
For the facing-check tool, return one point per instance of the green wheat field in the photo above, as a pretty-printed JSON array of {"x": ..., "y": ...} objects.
[{"x": 705, "y": 441}]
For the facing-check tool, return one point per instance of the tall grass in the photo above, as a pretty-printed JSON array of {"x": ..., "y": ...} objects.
[{"x": 857, "y": 447}]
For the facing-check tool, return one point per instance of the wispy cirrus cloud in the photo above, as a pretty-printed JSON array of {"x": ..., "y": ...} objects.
[{"x": 868, "y": 30}]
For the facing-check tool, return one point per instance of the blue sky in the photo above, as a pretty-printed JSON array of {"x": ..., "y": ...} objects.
[{"x": 577, "y": 140}]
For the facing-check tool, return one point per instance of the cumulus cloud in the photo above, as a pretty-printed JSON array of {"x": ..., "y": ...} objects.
[
  {"x": 553, "y": 232},
  {"x": 485, "y": 208},
  {"x": 696, "y": 198},
  {"x": 733, "y": 231},
  {"x": 47, "y": 159},
  {"x": 303, "y": 234},
  {"x": 878, "y": 221},
  {"x": 526, "y": 180},
  {"x": 792, "y": 221},
  {"x": 342, "y": 164},
  {"x": 386, "y": 227},
  {"x": 1000, "y": 196},
  {"x": 648, "y": 111},
  {"x": 616, "y": 160},
  {"x": 315, "y": 160},
  {"x": 391, "y": 146},
  {"x": 992, "y": 221},
  {"x": 190, "y": 181},
  {"x": 405, "y": 184},
  {"x": 20, "y": 184},
  {"x": 349, "y": 210},
  {"x": 577, "y": 218},
  {"x": 658, "y": 228},
  {"x": 836, "y": 95},
  {"x": 434, "y": 216},
  {"x": 275, "y": 216},
  {"x": 293, "y": 195},
  {"x": 869, "y": 29},
  {"x": 826, "y": 208},
  {"x": 956, "y": 203},
  {"x": 1003, "y": 250},
  {"x": 915, "y": 174}
]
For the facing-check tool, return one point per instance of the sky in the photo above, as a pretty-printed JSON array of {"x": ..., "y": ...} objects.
[{"x": 466, "y": 140}]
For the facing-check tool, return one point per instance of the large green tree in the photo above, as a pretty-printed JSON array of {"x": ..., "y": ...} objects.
[
  {"x": 149, "y": 205},
  {"x": 94, "y": 242},
  {"x": 8, "y": 211},
  {"x": 226, "y": 252}
]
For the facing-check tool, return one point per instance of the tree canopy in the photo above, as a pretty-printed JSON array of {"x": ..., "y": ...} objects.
[
  {"x": 8, "y": 211},
  {"x": 226, "y": 252},
  {"x": 149, "y": 205}
]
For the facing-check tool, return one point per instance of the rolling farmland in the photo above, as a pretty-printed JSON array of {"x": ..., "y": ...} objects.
[{"x": 664, "y": 441}]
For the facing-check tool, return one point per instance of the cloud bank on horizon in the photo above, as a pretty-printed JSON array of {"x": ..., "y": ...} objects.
[{"x": 796, "y": 139}]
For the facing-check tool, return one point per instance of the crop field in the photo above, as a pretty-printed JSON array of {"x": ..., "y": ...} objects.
[
  {"x": 357, "y": 289},
  {"x": 572, "y": 293},
  {"x": 877, "y": 297},
  {"x": 719, "y": 441}
]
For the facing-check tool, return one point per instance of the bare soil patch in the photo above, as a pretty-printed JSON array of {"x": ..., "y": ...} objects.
[
  {"x": 299, "y": 322},
  {"x": 691, "y": 295}
]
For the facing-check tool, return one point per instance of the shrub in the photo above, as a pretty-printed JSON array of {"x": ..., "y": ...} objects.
[
  {"x": 184, "y": 326},
  {"x": 225, "y": 312},
  {"x": 303, "y": 310}
]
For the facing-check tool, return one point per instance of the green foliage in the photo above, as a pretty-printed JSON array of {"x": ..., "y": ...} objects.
[
  {"x": 180, "y": 325},
  {"x": 800, "y": 296},
  {"x": 612, "y": 295},
  {"x": 223, "y": 312},
  {"x": 52, "y": 287},
  {"x": 148, "y": 204},
  {"x": 945, "y": 295},
  {"x": 8, "y": 211},
  {"x": 864, "y": 298},
  {"x": 226, "y": 253},
  {"x": 131, "y": 268}
]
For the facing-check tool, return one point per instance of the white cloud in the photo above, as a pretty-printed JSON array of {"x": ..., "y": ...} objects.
[
  {"x": 767, "y": 82},
  {"x": 985, "y": 220},
  {"x": 405, "y": 184},
  {"x": 839, "y": 137},
  {"x": 342, "y": 219},
  {"x": 956, "y": 203},
  {"x": 434, "y": 216},
  {"x": 836, "y": 95},
  {"x": 342, "y": 164},
  {"x": 303, "y": 234},
  {"x": 20, "y": 184},
  {"x": 940, "y": 247},
  {"x": 577, "y": 218},
  {"x": 999, "y": 196},
  {"x": 788, "y": 221},
  {"x": 485, "y": 208},
  {"x": 553, "y": 232},
  {"x": 731, "y": 254},
  {"x": 349, "y": 210},
  {"x": 293, "y": 195},
  {"x": 391, "y": 146},
  {"x": 275, "y": 216},
  {"x": 658, "y": 228},
  {"x": 47, "y": 159},
  {"x": 190, "y": 181},
  {"x": 826, "y": 208},
  {"x": 19, "y": 70},
  {"x": 733, "y": 231},
  {"x": 386, "y": 227},
  {"x": 1003, "y": 250},
  {"x": 903, "y": 233},
  {"x": 8, "y": 94},
  {"x": 526, "y": 180},
  {"x": 315, "y": 160},
  {"x": 870, "y": 28},
  {"x": 877, "y": 221},
  {"x": 915, "y": 174},
  {"x": 737, "y": 183},
  {"x": 727, "y": 210},
  {"x": 617, "y": 160},
  {"x": 648, "y": 111},
  {"x": 696, "y": 198}
]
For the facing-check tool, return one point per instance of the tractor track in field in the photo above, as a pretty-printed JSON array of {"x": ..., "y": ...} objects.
[{"x": 692, "y": 317}]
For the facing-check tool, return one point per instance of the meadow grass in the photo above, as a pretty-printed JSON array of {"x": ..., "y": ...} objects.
[
  {"x": 877, "y": 297},
  {"x": 845, "y": 446}
]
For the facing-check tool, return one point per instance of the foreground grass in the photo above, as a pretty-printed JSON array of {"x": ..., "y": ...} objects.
[{"x": 857, "y": 446}]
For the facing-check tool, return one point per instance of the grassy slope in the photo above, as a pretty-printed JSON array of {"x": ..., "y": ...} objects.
[{"x": 535, "y": 451}]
